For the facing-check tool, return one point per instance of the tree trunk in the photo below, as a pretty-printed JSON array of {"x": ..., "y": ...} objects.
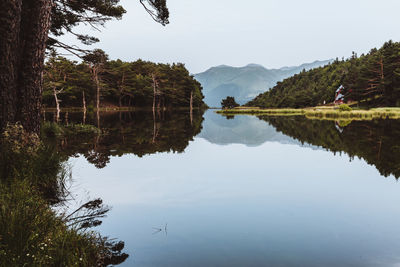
[
  {"x": 10, "y": 18},
  {"x": 96, "y": 79},
  {"x": 84, "y": 107},
  {"x": 24, "y": 27},
  {"x": 191, "y": 107},
  {"x": 66, "y": 118},
  {"x": 57, "y": 104},
  {"x": 121, "y": 89},
  {"x": 83, "y": 101},
  {"x": 155, "y": 85}
]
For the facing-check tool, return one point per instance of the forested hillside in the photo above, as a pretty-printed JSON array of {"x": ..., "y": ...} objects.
[
  {"x": 373, "y": 78},
  {"x": 244, "y": 83},
  {"x": 118, "y": 83}
]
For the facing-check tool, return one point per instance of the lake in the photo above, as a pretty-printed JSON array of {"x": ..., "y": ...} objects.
[{"x": 209, "y": 190}]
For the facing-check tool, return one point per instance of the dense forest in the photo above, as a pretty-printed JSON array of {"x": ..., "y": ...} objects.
[
  {"x": 372, "y": 79},
  {"x": 99, "y": 82}
]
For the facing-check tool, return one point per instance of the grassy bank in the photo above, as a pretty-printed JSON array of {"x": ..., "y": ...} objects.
[
  {"x": 32, "y": 233},
  {"x": 376, "y": 113},
  {"x": 320, "y": 113},
  {"x": 255, "y": 111}
]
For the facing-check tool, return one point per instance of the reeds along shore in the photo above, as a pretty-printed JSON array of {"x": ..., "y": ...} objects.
[{"x": 320, "y": 113}]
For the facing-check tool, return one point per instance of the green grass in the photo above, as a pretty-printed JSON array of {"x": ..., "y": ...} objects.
[
  {"x": 320, "y": 112},
  {"x": 31, "y": 234},
  {"x": 32, "y": 180},
  {"x": 250, "y": 111},
  {"x": 354, "y": 114}
]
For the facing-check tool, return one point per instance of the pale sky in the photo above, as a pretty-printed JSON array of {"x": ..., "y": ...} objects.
[{"x": 273, "y": 33}]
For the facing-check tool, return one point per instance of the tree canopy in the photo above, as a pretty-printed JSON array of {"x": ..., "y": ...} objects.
[
  {"x": 372, "y": 79},
  {"x": 30, "y": 27},
  {"x": 120, "y": 83},
  {"x": 229, "y": 102},
  {"x": 67, "y": 14}
]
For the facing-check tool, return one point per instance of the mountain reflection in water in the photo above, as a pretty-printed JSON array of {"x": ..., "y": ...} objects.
[
  {"x": 140, "y": 133},
  {"x": 242, "y": 190}
]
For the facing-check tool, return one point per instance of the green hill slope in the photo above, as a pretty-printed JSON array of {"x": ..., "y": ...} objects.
[{"x": 373, "y": 78}]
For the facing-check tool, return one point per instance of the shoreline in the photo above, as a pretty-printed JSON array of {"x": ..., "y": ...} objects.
[
  {"x": 116, "y": 109},
  {"x": 320, "y": 113}
]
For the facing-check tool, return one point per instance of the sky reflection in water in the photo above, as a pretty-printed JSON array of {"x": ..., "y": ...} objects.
[{"x": 275, "y": 204}]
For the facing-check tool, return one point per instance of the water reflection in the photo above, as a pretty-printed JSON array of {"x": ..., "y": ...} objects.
[
  {"x": 376, "y": 141},
  {"x": 246, "y": 130},
  {"x": 247, "y": 191},
  {"x": 138, "y": 133}
]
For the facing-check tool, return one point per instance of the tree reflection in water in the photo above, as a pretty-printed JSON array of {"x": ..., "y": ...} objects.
[
  {"x": 375, "y": 141},
  {"x": 137, "y": 133}
]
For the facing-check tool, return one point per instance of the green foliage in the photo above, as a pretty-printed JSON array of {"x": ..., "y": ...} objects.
[
  {"x": 32, "y": 235},
  {"x": 51, "y": 129},
  {"x": 31, "y": 232},
  {"x": 122, "y": 83},
  {"x": 23, "y": 155},
  {"x": 345, "y": 107},
  {"x": 372, "y": 79},
  {"x": 67, "y": 14},
  {"x": 229, "y": 102}
]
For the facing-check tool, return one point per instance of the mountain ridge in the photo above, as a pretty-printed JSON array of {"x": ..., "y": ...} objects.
[{"x": 245, "y": 83}]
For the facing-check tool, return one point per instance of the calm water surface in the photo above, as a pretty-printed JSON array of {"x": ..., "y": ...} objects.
[{"x": 245, "y": 191}]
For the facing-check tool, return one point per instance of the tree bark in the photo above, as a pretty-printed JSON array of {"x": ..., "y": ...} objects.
[
  {"x": 83, "y": 101},
  {"x": 121, "y": 90},
  {"x": 84, "y": 107},
  {"x": 191, "y": 107},
  {"x": 154, "y": 91},
  {"x": 57, "y": 104},
  {"x": 24, "y": 27},
  {"x": 10, "y": 20},
  {"x": 96, "y": 79}
]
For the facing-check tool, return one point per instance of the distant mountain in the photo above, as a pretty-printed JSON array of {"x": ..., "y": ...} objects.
[{"x": 244, "y": 83}]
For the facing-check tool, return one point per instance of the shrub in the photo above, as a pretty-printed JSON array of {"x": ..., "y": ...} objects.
[
  {"x": 345, "y": 107},
  {"x": 51, "y": 129}
]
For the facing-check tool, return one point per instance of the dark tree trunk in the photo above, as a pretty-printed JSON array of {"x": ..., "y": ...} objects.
[
  {"x": 25, "y": 25},
  {"x": 10, "y": 20}
]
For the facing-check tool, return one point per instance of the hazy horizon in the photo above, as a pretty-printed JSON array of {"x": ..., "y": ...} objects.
[{"x": 271, "y": 33}]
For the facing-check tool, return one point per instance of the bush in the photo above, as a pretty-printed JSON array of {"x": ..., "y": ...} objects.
[
  {"x": 345, "y": 107},
  {"x": 51, "y": 129}
]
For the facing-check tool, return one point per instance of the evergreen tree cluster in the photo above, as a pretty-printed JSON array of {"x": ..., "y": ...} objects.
[
  {"x": 372, "y": 79},
  {"x": 229, "y": 102},
  {"x": 127, "y": 84}
]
